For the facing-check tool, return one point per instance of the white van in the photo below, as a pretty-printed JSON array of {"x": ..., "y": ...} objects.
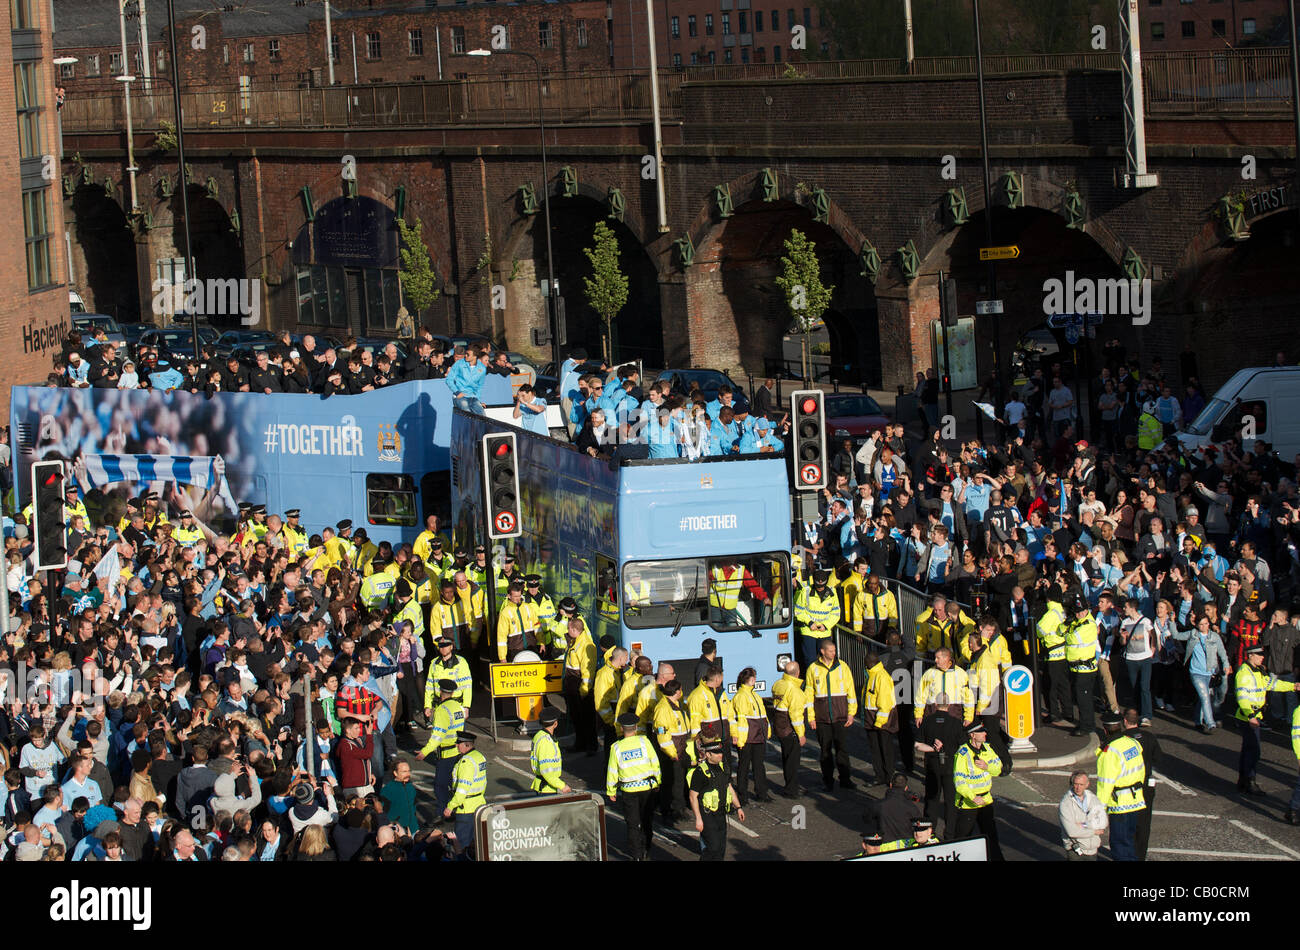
[{"x": 1268, "y": 395}]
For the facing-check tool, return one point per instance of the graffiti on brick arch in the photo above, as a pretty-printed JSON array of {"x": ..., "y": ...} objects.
[{"x": 637, "y": 332}]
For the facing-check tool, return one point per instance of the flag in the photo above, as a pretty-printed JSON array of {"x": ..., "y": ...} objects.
[
  {"x": 987, "y": 409},
  {"x": 205, "y": 471},
  {"x": 108, "y": 570}
]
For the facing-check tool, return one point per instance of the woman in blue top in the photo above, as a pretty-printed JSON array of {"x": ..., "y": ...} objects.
[
  {"x": 530, "y": 410},
  {"x": 1205, "y": 657}
]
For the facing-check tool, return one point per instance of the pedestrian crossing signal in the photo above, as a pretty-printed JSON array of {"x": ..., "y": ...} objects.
[
  {"x": 49, "y": 529},
  {"x": 809, "y": 440},
  {"x": 501, "y": 485}
]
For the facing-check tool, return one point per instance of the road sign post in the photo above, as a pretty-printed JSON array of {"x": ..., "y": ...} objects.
[
  {"x": 524, "y": 682},
  {"x": 544, "y": 828},
  {"x": 1018, "y": 708},
  {"x": 1006, "y": 252}
]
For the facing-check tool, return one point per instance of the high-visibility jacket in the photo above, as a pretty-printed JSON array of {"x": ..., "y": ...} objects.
[
  {"x": 475, "y": 603},
  {"x": 934, "y": 632},
  {"x": 849, "y": 590},
  {"x": 1150, "y": 432},
  {"x": 903, "y": 844},
  {"x": 295, "y": 541},
  {"x": 413, "y": 612},
  {"x": 363, "y": 558},
  {"x": 450, "y": 620},
  {"x": 458, "y": 670},
  {"x": 545, "y": 608},
  {"x": 952, "y": 683},
  {"x": 476, "y": 575},
  {"x": 628, "y": 691},
  {"x": 724, "y": 588},
  {"x": 547, "y": 767},
  {"x": 559, "y": 633},
  {"x": 469, "y": 783},
  {"x": 672, "y": 730},
  {"x": 426, "y": 591},
  {"x": 633, "y": 766},
  {"x": 1082, "y": 647},
  {"x": 711, "y": 714},
  {"x": 789, "y": 706},
  {"x": 878, "y": 697},
  {"x": 187, "y": 537},
  {"x": 1295, "y": 732},
  {"x": 984, "y": 679},
  {"x": 604, "y": 693},
  {"x": 423, "y": 546},
  {"x": 975, "y": 786},
  {"x": 1252, "y": 689},
  {"x": 997, "y": 646},
  {"x": 634, "y": 598},
  {"x": 647, "y": 698},
  {"x": 750, "y": 718},
  {"x": 377, "y": 590},
  {"x": 440, "y": 567},
  {"x": 1121, "y": 773},
  {"x": 831, "y": 694},
  {"x": 811, "y": 607},
  {"x": 517, "y": 621},
  {"x": 1050, "y": 634},
  {"x": 71, "y": 511},
  {"x": 579, "y": 664},
  {"x": 504, "y": 580},
  {"x": 448, "y": 719},
  {"x": 881, "y": 607}
]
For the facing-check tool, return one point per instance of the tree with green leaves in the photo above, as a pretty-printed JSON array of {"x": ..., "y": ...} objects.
[
  {"x": 606, "y": 288},
  {"x": 805, "y": 294},
  {"x": 419, "y": 280}
]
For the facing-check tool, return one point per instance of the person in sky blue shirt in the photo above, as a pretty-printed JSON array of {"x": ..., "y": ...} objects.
[
  {"x": 936, "y": 575},
  {"x": 466, "y": 381},
  {"x": 727, "y": 430},
  {"x": 976, "y": 497},
  {"x": 761, "y": 439},
  {"x": 661, "y": 433},
  {"x": 166, "y": 378},
  {"x": 530, "y": 410},
  {"x": 725, "y": 398}
]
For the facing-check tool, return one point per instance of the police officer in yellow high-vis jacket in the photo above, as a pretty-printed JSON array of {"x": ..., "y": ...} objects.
[
  {"x": 752, "y": 730},
  {"x": 449, "y": 665},
  {"x": 546, "y": 761},
  {"x": 1051, "y": 649},
  {"x": 631, "y": 777},
  {"x": 941, "y": 685},
  {"x": 295, "y": 538},
  {"x": 187, "y": 533},
  {"x": 816, "y": 612},
  {"x": 789, "y": 711},
  {"x": 672, "y": 733},
  {"x": 880, "y": 718},
  {"x": 516, "y": 625},
  {"x": 605, "y": 690},
  {"x": 1121, "y": 775},
  {"x": 1252, "y": 688},
  {"x": 579, "y": 670},
  {"x": 1083, "y": 653},
  {"x": 973, "y": 770},
  {"x": 832, "y": 704},
  {"x": 1292, "y": 816}
]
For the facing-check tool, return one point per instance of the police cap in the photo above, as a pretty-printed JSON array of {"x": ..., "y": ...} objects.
[
  {"x": 259, "y": 509},
  {"x": 533, "y": 579},
  {"x": 549, "y": 715},
  {"x": 187, "y": 513},
  {"x": 1255, "y": 651},
  {"x": 150, "y": 496},
  {"x": 444, "y": 642},
  {"x": 1111, "y": 719},
  {"x": 922, "y": 824},
  {"x": 628, "y": 720},
  {"x": 344, "y": 525},
  {"x": 872, "y": 837},
  {"x": 460, "y": 554},
  {"x": 568, "y": 603},
  {"x": 976, "y": 727},
  {"x": 821, "y": 576},
  {"x": 436, "y": 543},
  {"x": 293, "y": 513},
  {"x": 468, "y": 737},
  {"x": 243, "y": 506},
  {"x": 479, "y": 549},
  {"x": 447, "y": 686},
  {"x": 713, "y": 747}
]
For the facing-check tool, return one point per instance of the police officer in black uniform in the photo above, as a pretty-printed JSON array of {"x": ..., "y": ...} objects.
[
  {"x": 712, "y": 797},
  {"x": 1151, "y": 756},
  {"x": 942, "y": 734}
]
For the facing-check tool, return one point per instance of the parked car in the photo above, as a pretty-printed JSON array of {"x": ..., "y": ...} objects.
[
  {"x": 75, "y": 303},
  {"x": 709, "y": 380},
  {"x": 133, "y": 333},
  {"x": 376, "y": 345},
  {"x": 87, "y": 322},
  {"x": 207, "y": 332},
  {"x": 173, "y": 343},
  {"x": 233, "y": 339},
  {"x": 853, "y": 414}
]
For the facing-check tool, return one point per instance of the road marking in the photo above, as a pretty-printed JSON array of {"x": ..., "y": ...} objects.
[
  {"x": 741, "y": 828},
  {"x": 1183, "y": 814},
  {"x": 1220, "y": 854},
  {"x": 1236, "y": 823},
  {"x": 1176, "y": 786},
  {"x": 514, "y": 768}
]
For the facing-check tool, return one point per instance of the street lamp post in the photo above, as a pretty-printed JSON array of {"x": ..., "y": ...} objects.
[
  {"x": 551, "y": 294},
  {"x": 126, "y": 79},
  {"x": 180, "y": 157},
  {"x": 988, "y": 208}
]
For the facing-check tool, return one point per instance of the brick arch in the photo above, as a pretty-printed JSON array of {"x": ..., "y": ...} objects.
[{"x": 520, "y": 224}]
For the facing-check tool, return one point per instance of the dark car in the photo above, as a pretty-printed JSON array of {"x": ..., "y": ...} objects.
[
  {"x": 207, "y": 332},
  {"x": 376, "y": 344},
  {"x": 709, "y": 380},
  {"x": 853, "y": 414},
  {"x": 174, "y": 343},
  {"x": 133, "y": 332},
  {"x": 88, "y": 322},
  {"x": 240, "y": 339}
]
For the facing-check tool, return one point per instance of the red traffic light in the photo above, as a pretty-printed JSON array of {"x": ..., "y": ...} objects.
[
  {"x": 808, "y": 406},
  {"x": 502, "y": 450},
  {"x": 53, "y": 477}
]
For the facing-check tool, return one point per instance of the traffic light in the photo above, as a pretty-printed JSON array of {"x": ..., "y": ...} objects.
[
  {"x": 809, "y": 440},
  {"x": 49, "y": 529},
  {"x": 501, "y": 485}
]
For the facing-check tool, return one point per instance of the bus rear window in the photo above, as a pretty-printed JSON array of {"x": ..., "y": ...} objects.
[
  {"x": 728, "y": 593},
  {"x": 390, "y": 499}
]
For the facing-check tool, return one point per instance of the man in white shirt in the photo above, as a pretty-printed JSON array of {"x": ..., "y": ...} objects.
[
  {"x": 1083, "y": 820},
  {"x": 1137, "y": 633}
]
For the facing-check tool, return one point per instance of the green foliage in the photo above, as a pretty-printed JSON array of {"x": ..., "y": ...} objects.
[
  {"x": 419, "y": 281},
  {"x": 606, "y": 288},
  {"x": 165, "y": 140},
  {"x": 801, "y": 281}
]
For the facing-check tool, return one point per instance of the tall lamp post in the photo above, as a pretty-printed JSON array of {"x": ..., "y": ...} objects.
[
  {"x": 988, "y": 208},
  {"x": 551, "y": 294}
]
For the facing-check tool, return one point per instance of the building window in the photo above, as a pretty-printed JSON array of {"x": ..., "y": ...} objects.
[
  {"x": 708, "y": 24},
  {"x": 582, "y": 34},
  {"x": 690, "y": 26},
  {"x": 695, "y": 59},
  {"x": 742, "y": 17},
  {"x": 677, "y": 59},
  {"x": 36, "y": 227},
  {"x": 1189, "y": 29},
  {"x": 27, "y": 95},
  {"x": 758, "y": 21},
  {"x": 273, "y": 50},
  {"x": 726, "y": 24},
  {"x": 334, "y": 48},
  {"x": 1248, "y": 26},
  {"x": 789, "y": 18},
  {"x": 713, "y": 58},
  {"x": 162, "y": 61},
  {"x": 115, "y": 64},
  {"x": 544, "y": 34},
  {"x": 225, "y": 55},
  {"x": 135, "y": 62},
  {"x": 92, "y": 64},
  {"x": 760, "y": 54},
  {"x": 67, "y": 70},
  {"x": 458, "y": 40},
  {"x": 726, "y": 55},
  {"x": 1154, "y": 3},
  {"x": 807, "y": 17},
  {"x": 744, "y": 55},
  {"x": 776, "y": 54},
  {"x": 248, "y": 53},
  {"x": 1218, "y": 28},
  {"x": 275, "y": 77},
  {"x": 675, "y": 27},
  {"x": 373, "y": 49},
  {"x": 415, "y": 42},
  {"x": 462, "y": 76},
  {"x": 23, "y": 15},
  {"x": 826, "y": 46},
  {"x": 1157, "y": 30}
]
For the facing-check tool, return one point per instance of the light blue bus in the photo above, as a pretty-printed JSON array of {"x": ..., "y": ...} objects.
[{"x": 661, "y": 554}]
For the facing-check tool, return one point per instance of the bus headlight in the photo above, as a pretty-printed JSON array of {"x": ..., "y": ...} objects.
[{"x": 781, "y": 660}]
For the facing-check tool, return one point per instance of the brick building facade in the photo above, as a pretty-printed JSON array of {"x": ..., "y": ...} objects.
[
  {"x": 1183, "y": 26},
  {"x": 33, "y": 291}
]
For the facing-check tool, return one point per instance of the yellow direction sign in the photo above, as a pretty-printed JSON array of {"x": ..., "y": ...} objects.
[
  {"x": 1008, "y": 252},
  {"x": 526, "y": 679}
]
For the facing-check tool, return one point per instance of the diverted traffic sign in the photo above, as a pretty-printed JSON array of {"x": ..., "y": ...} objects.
[
  {"x": 526, "y": 679},
  {"x": 1007, "y": 252},
  {"x": 545, "y": 828},
  {"x": 973, "y": 850},
  {"x": 1018, "y": 697}
]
